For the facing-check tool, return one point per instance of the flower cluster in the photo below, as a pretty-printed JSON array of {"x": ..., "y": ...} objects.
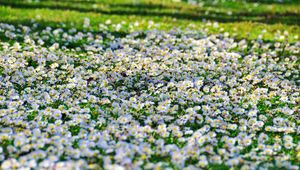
[{"x": 148, "y": 100}]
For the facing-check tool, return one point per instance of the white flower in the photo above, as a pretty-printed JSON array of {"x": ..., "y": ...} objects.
[
  {"x": 114, "y": 167},
  {"x": 6, "y": 164},
  {"x": 252, "y": 113}
]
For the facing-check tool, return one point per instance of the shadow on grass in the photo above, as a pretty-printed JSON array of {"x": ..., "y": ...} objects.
[{"x": 159, "y": 10}]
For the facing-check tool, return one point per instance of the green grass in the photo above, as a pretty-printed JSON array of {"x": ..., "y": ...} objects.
[{"x": 241, "y": 19}]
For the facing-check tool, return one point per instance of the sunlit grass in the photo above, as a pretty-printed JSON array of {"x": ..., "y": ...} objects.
[{"x": 250, "y": 18}]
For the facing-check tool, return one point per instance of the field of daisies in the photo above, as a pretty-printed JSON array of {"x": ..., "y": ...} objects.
[{"x": 132, "y": 85}]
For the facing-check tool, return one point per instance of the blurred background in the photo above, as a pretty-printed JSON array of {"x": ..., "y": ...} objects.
[{"x": 242, "y": 18}]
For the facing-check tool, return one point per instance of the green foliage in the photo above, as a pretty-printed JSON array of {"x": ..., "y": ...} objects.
[
  {"x": 56, "y": 104},
  {"x": 75, "y": 129},
  {"x": 218, "y": 167},
  {"x": 75, "y": 144},
  {"x": 1, "y": 71},
  {"x": 32, "y": 115},
  {"x": 32, "y": 63}
]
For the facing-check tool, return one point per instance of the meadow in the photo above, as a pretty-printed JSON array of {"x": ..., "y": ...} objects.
[{"x": 150, "y": 84}]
